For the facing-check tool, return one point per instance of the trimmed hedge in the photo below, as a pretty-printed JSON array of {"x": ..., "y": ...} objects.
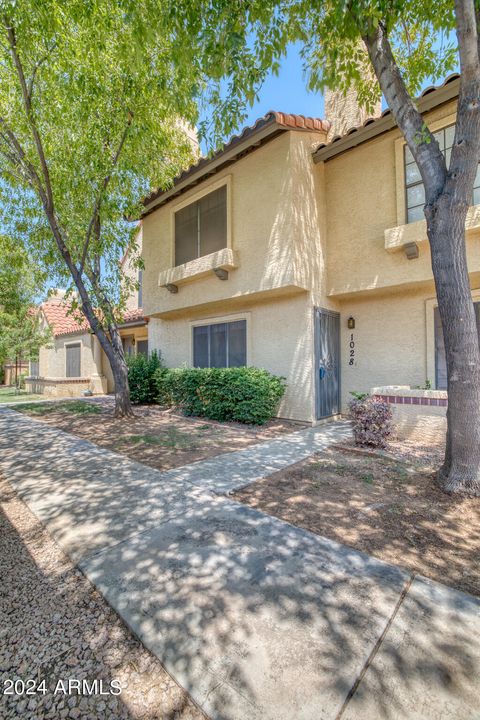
[
  {"x": 142, "y": 377},
  {"x": 371, "y": 420},
  {"x": 245, "y": 394}
]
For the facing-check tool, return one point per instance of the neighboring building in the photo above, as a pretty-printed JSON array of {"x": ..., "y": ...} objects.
[
  {"x": 305, "y": 256},
  {"x": 74, "y": 361},
  {"x": 12, "y": 371}
]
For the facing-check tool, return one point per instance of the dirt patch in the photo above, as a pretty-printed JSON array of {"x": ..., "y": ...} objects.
[
  {"x": 388, "y": 507},
  {"x": 54, "y": 626},
  {"x": 159, "y": 438}
]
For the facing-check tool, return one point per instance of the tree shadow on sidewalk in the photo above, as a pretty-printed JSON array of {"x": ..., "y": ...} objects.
[{"x": 56, "y": 627}]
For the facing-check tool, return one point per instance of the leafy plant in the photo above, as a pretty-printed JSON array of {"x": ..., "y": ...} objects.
[
  {"x": 141, "y": 377},
  {"x": 372, "y": 421},
  {"x": 359, "y": 395},
  {"x": 246, "y": 395}
]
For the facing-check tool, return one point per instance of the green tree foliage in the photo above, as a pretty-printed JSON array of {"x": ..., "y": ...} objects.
[
  {"x": 20, "y": 283},
  {"x": 95, "y": 98}
]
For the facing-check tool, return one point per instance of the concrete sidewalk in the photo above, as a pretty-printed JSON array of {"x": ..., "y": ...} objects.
[{"x": 255, "y": 618}]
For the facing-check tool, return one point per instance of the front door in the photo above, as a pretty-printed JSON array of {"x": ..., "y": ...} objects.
[{"x": 327, "y": 362}]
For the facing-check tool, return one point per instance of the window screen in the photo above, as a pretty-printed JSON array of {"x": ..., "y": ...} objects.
[
  {"x": 142, "y": 347},
  {"x": 201, "y": 228},
  {"x": 73, "y": 360},
  {"x": 440, "y": 359},
  {"x": 415, "y": 193},
  {"x": 220, "y": 344}
]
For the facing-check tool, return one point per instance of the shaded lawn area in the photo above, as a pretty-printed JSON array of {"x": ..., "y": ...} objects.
[
  {"x": 386, "y": 507},
  {"x": 10, "y": 395},
  {"x": 159, "y": 438}
]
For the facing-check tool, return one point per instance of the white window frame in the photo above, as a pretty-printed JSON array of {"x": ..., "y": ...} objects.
[
  {"x": 69, "y": 344},
  {"x": 193, "y": 197},
  {"x": 401, "y": 185},
  {"x": 217, "y": 320}
]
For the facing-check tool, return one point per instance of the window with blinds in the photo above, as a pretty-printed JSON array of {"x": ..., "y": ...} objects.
[
  {"x": 201, "y": 228},
  {"x": 415, "y": 192},
  {"x": 73, "y": 355},
  {"x": 220, "y": 345}
]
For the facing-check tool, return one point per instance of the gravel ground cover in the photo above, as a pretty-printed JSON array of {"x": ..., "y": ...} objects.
[
  {"x": 55, "y": 627},
  {"x": 160, "y": 438},
  {"x": 385, "y": 504}
]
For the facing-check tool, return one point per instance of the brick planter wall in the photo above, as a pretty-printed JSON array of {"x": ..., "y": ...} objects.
[
  {"x": 418, "y": 414},
  {"x": 57, "y": 387}
]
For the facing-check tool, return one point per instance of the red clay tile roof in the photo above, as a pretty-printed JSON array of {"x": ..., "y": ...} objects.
[
  {"x": 130, "y": 316},
  {"x": 298, "y": 122},
  {"x": 276, "y": 122},
  {"x": 61, "y": 323},
  {"x": 387, "y": 113}
]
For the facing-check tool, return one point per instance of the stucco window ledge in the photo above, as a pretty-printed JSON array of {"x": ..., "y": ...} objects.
[
  {"x": 416, "y": 232},
  {"x": 224, "y": 259}
]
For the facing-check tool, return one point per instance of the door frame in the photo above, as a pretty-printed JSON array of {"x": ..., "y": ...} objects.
[{"x": 317, "y": 312}]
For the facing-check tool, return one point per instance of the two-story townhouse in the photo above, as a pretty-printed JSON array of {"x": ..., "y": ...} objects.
[{"x": 305, "y": 255}]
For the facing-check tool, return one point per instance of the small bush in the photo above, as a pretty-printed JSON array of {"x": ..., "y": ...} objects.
[
  {"x": 372, "y": 421},
  {"x": 246, "y": 395},
  {"x": 141, "y": 377}
]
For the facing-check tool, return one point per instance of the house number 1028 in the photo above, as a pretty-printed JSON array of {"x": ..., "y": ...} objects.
[{"x": 351, "y": 360}]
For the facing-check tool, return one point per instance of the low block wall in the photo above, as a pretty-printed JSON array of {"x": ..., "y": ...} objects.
[
  {"x": 57, "y": 387},
  {"x": 417, "y": 414}
]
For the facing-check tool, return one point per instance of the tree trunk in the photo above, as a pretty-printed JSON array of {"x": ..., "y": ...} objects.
[
  {"x": 460, "y": 471},
  {"x": 123, "y": 407},
  {"x": 113, "y": 349}
]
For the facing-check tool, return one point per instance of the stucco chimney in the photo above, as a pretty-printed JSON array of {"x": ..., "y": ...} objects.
[
  {"x": 344, "y": 112},
  {"x": 56, "y": 296}
]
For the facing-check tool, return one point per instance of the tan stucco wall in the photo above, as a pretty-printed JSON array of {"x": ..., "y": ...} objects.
[
  {"x": 52, "y": 359},
  {"x": 130, "y": 272},
  {"x": 277, "y": 234},
  {"x": 390, "y": 339},
  {"x": 364, "y": 196},
  {"x": 279, "y": 339},
  {"x": 275, "y": 240}
]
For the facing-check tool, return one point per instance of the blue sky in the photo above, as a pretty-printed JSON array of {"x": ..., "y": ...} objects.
[{"x": 287, "y": 92}]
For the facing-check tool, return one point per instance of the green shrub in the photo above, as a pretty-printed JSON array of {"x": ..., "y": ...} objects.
[
  {"x": 246, "y": 395},
  {"x": 141, "y": 377}
]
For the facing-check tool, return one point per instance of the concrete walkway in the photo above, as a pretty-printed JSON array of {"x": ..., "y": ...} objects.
[{"x": 255, "y": 618}]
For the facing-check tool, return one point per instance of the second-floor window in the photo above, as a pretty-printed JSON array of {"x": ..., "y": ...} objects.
[
  {"x": 201, "y": 227},
  {"x": 414, "y": 186}
]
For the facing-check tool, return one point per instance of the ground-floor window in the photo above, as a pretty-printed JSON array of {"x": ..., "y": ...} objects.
[
  {"x": 440, "y": 359},
  {"x": 142, "y": 347},
  {"x": 220, "y": 344},
  {"x": 73, "y": 360},
  {"x": 128, "y": 343}
]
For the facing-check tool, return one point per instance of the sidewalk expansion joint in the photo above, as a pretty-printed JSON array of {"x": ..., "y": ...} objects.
[{"x": 376, "y": 647}]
